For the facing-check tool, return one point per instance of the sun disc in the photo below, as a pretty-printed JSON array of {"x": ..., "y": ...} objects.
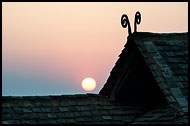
[{"x": 88, "y": 84}]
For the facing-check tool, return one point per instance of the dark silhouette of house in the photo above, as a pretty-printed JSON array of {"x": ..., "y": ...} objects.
[{"x": 148, "y": 85}]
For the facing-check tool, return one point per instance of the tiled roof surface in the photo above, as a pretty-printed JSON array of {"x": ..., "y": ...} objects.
[
  {"x": 175, "y": 54},
  {"x": 167, "y": 57},
  {"x": 79, "y": 109}
]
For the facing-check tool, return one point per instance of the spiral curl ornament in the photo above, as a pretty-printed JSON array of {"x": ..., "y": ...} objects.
[
  {"x": 137, "y": 20},
  {"x": 125, "y": 22}
]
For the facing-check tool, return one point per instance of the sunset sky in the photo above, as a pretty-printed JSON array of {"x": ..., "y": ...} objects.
[{"x": 49, "y": 48}]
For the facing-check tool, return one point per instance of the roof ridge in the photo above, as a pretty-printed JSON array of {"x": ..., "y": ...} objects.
[
  {"x": 50, "y": 96},
  {"x": 161, "y": 33}
]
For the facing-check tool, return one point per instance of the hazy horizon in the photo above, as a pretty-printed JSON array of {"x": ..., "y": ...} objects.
[{"x": 49, "y": 47}]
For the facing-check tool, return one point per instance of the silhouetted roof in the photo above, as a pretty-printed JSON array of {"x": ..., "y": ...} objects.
[
  {"x": 166, "y": 55},
  {"x": 164, "y": 61},
  {"x": 83, "y": 108}
]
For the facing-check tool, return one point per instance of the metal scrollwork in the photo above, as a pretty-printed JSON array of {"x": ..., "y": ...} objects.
[
  {"x": 137, "y": 20},
  {"x": 125, "y": 22}
]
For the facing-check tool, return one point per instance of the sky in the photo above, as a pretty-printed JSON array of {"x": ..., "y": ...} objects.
[{"x": 49, "y": 48}]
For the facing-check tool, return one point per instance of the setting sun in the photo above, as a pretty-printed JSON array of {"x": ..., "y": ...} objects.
[{"x": 88, "y": 84}]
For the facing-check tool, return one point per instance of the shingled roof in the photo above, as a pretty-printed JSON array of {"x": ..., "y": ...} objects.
[
  {"x": 148, "y": 85},
  {"x": 80, "y": 109},
  {"x": 162, "y": 57}
]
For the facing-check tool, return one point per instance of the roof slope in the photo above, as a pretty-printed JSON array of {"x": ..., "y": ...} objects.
[
  {"x": 166, "y": 55},
  {"x": 80, "y": 109}
]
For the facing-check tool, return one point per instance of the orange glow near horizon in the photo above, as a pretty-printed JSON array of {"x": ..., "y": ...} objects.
[
  {"x": 47, "y": 47},
  {"x": 88, "y": 84}
]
